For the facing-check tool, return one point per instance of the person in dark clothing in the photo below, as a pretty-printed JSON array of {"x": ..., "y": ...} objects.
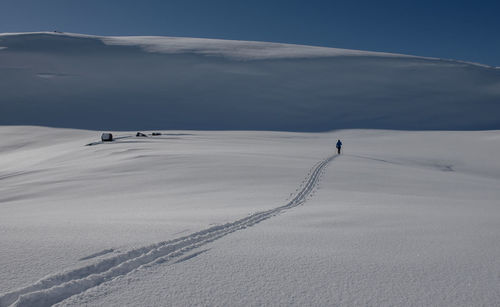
[{"x": 339, "y": 146}]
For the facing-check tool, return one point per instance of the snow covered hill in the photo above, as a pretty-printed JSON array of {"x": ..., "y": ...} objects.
[
  {"x": 244, "y": 218},
  {"x": 129, "y": 83},
  {"x": 249, "y": 218}
]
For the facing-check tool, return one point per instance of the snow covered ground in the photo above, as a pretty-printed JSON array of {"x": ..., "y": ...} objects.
[
  {"x": 249, "y": 218},
  {"x": 128, "y": 83}
]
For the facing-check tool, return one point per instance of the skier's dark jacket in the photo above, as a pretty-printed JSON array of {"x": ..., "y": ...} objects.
[{"x": 339, "y": 144}]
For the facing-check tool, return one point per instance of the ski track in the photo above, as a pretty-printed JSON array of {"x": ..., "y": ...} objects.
[
  {"x": 58, "y": 287},
  {"x": 103, "y": 252}
]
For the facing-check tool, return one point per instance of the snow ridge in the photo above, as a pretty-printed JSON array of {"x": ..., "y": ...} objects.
[
  {"x": 234, "y": 49},
  {"x": 58, "y": 287}
]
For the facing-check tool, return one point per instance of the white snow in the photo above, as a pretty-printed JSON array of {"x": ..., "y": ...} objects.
[
  {"x": 211, "y": 218},
  {"x": 241, "y": 50},
  {"x": 128, "y": 83}
]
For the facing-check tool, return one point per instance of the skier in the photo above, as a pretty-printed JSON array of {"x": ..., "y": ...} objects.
[{"x": 339, "y": 146}]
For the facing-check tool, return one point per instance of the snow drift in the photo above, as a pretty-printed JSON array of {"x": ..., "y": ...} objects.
[{"x": 129, "y": 83}]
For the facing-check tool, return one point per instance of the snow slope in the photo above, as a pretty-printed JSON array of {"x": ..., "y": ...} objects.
[
  {"x": 249, "y": 218},
  {"x": 128, "y": 83},
  {"x": 238, "y": 218}
]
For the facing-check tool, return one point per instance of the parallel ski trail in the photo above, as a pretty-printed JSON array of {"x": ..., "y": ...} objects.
[{"x": 58, "y": 287}]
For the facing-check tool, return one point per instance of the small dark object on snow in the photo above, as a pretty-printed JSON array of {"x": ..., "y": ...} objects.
[
  {"x": 141, "y": 134},
  {"x": 107, "y": 137},
  {"x": 156, "y": 133}
]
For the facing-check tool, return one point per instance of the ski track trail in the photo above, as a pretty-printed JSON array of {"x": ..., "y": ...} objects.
[{"x": 58, "y": 287}]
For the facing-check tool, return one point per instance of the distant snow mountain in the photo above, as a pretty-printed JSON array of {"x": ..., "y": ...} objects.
[{"x": 130, "y": 83}]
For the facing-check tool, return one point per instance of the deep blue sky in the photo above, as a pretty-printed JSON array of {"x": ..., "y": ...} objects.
[{"x": 464, "y": 30}]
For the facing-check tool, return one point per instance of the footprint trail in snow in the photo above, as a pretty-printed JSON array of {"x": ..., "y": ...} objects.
[{"x": 58, "y": 287}]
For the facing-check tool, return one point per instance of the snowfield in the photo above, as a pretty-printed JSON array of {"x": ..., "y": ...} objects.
[
  {"x": 249, "y": 218},
  {"x": 129, "y": 83},
  {"x": 242, "y": 200}
]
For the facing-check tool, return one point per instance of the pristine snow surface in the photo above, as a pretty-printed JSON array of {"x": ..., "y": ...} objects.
[
  {"x": 249, "y": 218},
  {"x": 128, "y": 83}
]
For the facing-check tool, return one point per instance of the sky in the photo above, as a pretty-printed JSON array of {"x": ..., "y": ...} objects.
[{"x": 462, "y": 30}]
